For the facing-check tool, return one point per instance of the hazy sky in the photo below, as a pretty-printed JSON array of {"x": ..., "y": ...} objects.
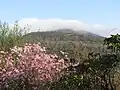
[{"x": 97, "y": 16}]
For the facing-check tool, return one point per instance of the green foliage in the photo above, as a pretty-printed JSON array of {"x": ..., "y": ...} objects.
[
  {"x": 96, "y": 73},
  {"x": 113, "y": 42},
  {"x": 10, "y": 37}
]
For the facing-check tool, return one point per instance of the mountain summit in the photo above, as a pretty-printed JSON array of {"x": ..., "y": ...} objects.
[
  {"x": 77, "y": 43},
  {"x": 67, "y": 35}
]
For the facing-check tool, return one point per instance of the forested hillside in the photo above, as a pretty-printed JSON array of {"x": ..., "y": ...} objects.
[{"x": 76, "y": 43}]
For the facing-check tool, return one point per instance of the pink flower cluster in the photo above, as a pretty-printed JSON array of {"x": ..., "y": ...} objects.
[{"x": 29, "y": 60}]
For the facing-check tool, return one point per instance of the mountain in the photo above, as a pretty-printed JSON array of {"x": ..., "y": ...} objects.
[
  {"x": 81, "y": 33},
  {"x": 67, "y": 35},
  {"x": 77, "y": 43}
]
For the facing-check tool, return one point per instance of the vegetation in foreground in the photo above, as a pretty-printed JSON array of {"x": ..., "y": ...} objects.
[{"x": 30, "y": 67}]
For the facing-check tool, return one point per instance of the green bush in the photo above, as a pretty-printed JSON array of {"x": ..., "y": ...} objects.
[
  {"x": 10, "y": 37},
  {"x": 96, "y": 73}
]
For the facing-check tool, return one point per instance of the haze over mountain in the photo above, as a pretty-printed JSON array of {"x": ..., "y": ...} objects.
[
  {"x": 54, "y": 24},
  {"x": 67, "y": 35},
  {"x": 94, "y": 16}
]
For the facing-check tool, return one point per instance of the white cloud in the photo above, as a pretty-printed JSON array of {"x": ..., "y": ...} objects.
[
  {"x": 28, "y": 21},
  {"x": 54, "y": 23}
]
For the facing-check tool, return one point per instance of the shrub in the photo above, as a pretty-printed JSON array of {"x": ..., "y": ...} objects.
[
  {"x": 10, "y": 36},
  {"x": 28, "y": 67}
]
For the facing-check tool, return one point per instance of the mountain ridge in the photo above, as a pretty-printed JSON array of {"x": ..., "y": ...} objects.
[
  {"x": 77, "y": 44},
  {"x": 70, "y": 33}
]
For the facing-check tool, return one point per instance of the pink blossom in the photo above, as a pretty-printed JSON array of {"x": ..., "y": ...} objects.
[{"x": 28, "y": 60}]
